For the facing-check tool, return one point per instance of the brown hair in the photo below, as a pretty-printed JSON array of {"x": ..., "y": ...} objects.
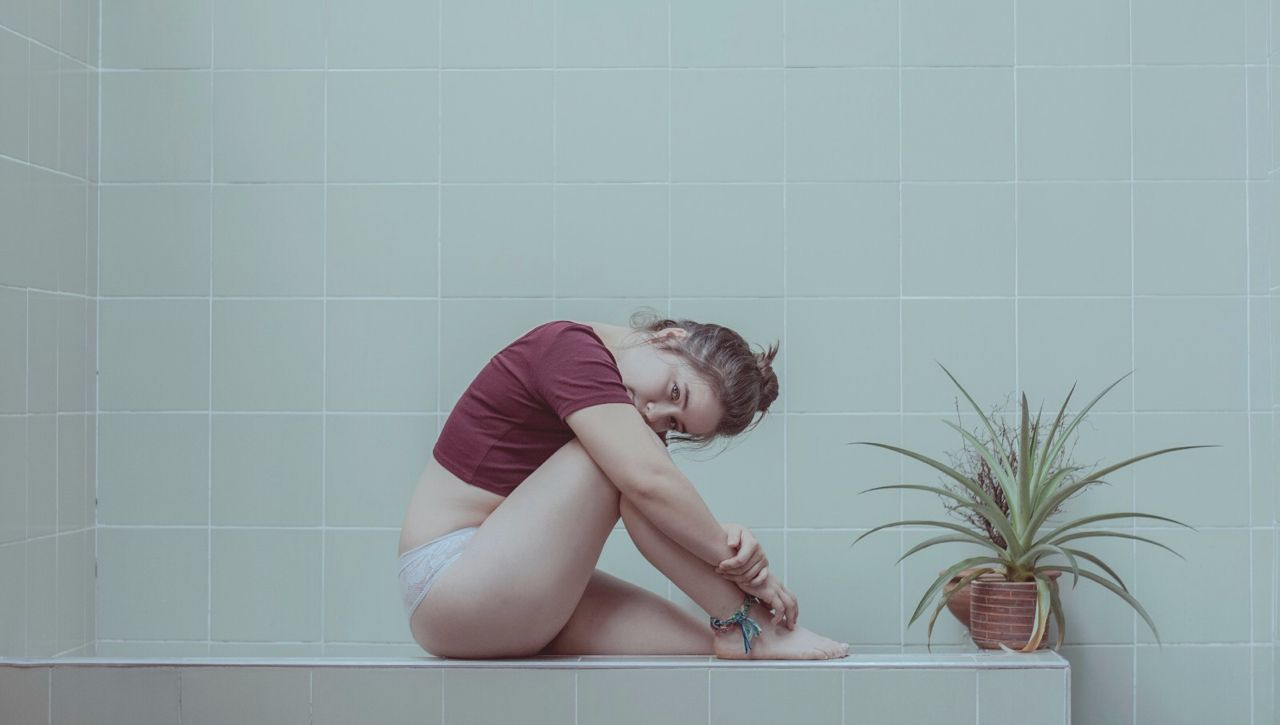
[{"x": 743, "y": 381}]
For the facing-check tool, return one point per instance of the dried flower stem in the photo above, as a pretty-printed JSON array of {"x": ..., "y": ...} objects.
[{"x": 970, "y": 463}]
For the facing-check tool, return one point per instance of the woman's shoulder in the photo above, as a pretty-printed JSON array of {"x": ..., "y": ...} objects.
[
  {"x": 606, "y": 333},
  {"x": 561, "y": 338}
]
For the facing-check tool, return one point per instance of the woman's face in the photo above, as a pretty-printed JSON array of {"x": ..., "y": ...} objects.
[{"x": 668, "y": 394}]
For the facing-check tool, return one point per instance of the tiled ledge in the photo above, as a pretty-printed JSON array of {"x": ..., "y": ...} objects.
[
  {"x": 983, "y": 660},
  {"x": 958, "y": 688}
]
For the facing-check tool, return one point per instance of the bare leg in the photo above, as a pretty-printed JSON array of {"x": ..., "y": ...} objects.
[
  {"x": 713, "y": 593},
  {"x": 722, "y": 598},
  {"x": 616, "y": 617}
]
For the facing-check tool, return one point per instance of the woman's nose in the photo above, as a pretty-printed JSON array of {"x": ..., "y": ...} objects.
[{"x": 655, "y": 416}]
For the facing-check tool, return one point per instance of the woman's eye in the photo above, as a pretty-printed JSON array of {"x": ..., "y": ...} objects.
[{"x": 675, "y": 391}]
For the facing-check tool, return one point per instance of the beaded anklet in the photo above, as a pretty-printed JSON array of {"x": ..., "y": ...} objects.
[{"x": 749, "y": 627}]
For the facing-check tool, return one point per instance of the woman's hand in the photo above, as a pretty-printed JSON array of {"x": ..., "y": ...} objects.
[
  {"x": 778, "y": 598},
  {"x": 749, "y": 565}
]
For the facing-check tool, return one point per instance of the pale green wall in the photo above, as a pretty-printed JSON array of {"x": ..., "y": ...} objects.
[
  {"x": 48, "y": 329},
  {"x": 320, "y": 219}
]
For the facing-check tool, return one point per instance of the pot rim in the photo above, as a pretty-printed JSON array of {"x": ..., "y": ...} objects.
[{"x": 999, "y": 578}]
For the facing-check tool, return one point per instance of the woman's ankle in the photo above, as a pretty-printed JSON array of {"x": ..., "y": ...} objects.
[{"x": 741, "y": 622}]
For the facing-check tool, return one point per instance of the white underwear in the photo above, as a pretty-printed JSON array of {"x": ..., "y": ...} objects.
[{"x": 420, "y": 565}]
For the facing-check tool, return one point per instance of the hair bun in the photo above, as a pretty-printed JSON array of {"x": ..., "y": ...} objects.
[{"x": 768, "y": 378}]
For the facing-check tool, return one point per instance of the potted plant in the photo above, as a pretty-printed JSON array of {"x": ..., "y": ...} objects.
[
  {"x": 970, "y": 463},
  {"x": 1012, "y": 584}
]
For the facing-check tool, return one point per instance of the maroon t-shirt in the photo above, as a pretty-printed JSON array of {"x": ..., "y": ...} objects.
[{"x": 511, "y": 418}]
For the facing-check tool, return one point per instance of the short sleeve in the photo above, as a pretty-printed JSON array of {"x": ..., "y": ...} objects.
[{"x": 575, "y": 370}]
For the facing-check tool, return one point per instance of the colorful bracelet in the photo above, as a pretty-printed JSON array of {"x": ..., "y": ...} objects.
[{"x": 749, "y": 627}]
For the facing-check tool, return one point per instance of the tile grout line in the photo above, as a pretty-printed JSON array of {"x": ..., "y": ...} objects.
[
  {"x": 1248, "y": 366},
  {"x": 97, "y": 325},
  {"x": 785, "y": 189},
  {"x": 1017, "y": 383},
  {"x": 612, "y": 182},
  {"x": 324, "y": 331},
  {"x": 439, "y": 210},
  {"x": 813, "y": 414},
  {"x": 821, "y": 298},
  {"x": 670, "y": 76},
  {"x": 230, "y": 527},
  {"x": 718, "y": 68},
  {"x": 26, "y": 423},
  {"x": 902, "y": 586},
  {"x": 208, "y": 592},
  {"x": 1133, "y": 387},
  {"x": 439, "y": 6},
  {"x": 57, "y": 366},
  {"x": 1266, "y": 183},
  {"x": 555, "y": 217}
]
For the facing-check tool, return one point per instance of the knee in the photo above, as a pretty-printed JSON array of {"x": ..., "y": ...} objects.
[{"x": 585, "y": 465}]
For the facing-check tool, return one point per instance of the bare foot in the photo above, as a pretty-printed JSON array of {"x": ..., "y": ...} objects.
[{"x": 777, "y": 642}]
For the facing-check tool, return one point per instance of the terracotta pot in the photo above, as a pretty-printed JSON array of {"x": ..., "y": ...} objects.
[
  {"x": 959, "y": 604},
  {"x": 1003, "y": 612}
]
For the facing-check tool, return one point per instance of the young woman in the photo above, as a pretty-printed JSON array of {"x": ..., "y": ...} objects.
[{"x": 559, "y": 435}]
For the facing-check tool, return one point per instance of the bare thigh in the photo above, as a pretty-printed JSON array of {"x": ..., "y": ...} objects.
[{"x": 522, "y": 574}]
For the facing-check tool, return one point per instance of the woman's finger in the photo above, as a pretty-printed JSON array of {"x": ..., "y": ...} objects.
[
  {"x": 794, "y": 606},
  {"x": 748, "y": 547},
  {"x": 751, "y": 572},
  {"x": 740, "y": 564},
  {"x": 735, "y": 562},
  {"x": 754, "y": 563},
  {"x": 760, "y": 578}
]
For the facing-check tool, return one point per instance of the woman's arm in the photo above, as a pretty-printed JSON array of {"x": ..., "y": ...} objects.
[
  {"x": 674, "y": 506},
  {"x": 626, "y": 449}
]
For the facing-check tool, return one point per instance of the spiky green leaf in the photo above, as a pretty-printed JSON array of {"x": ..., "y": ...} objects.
[
  {"x": 1024, "y": 465},
  {"x": 1100, "y": 563},
  {"x": 944, "y": 577},
  {"x": 1055, "y": 604},
  {"x": 976, "y": 538},
  {"x": 997, "y": 519},
  {"x": 1053, "y": 453},
  {"x": 1125, "y": 596},
  {"x": 1118, "y": 535},
  {"x": 968, "y": 539},
  {"x": 1135, "y": 459},
  {"x": 1048, "y": 443},
  {"x": 946, "y": 598},
  {"x": 1102, "y": 517}
]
